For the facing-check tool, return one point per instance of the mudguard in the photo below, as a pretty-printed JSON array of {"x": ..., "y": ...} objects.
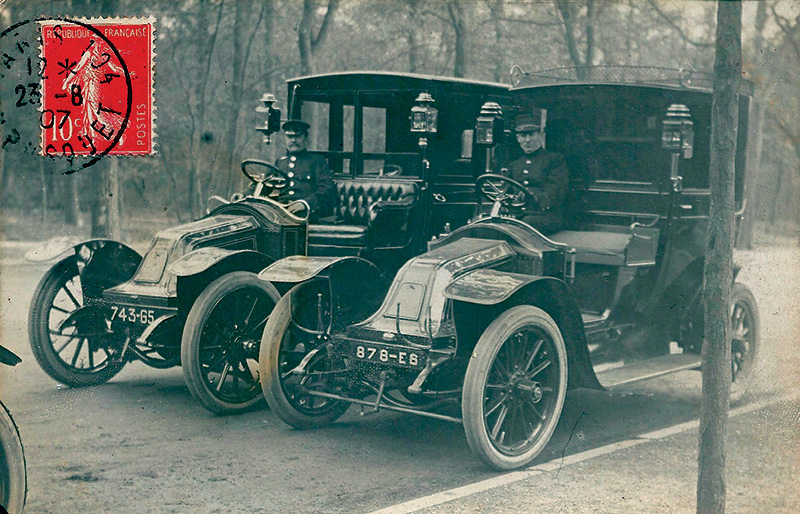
[
  {"x": 202, "y": 259},
  {"x": 299, "y": 268},
  {"x": 56, "y": 249},
  {"x": 487, "y": 286},
  {"x": 356, "y": 285},
  {"x": 481, "y": 290}
]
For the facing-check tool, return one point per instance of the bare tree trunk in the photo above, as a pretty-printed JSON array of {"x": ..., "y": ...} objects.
[
  {"x": 497, "y": 12},
  {"x": 718, "y": 272},
  {"x": 753, "y": 166},
  {"x": 456, "y": 13},
  {"x": 755, "y": 139},
  {"x": 308, "y": 43},
  {"x": 411, "y": 36}
]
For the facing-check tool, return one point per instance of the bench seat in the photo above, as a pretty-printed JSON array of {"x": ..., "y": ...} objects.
[
  {"x": 368, "y": 213},
  {"x": 611, "y": 248}
]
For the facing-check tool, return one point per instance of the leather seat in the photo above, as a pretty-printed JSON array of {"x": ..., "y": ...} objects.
[
  {"x": 337, "y": 235},
  {"x": 361, "y": 205}
]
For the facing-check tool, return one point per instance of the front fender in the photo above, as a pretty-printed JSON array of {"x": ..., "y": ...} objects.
[
  {"x": 202, "y": 259},
  {"x": 487, "y": 286},
  {"x": 299, "y": 268},
  {"x": 55, "y": 249},
  {"x": 357, "y": 286},
  {"x": 481, "y": 295}
]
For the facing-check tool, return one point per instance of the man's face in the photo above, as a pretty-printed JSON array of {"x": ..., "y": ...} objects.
[
  {"x": 530, "y": 141},
  {"x": 295, "y": 141}
]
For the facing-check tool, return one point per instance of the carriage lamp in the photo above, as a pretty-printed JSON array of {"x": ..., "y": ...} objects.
[
  {"x": 489, "y": 126},
  {"x": 489, "y": 129},
  {"x": 424, "y": 116},
  {"x": 677, "y": 136},
  {"x": 272, "y": 123},
  {"x": 677, "y": 132}
]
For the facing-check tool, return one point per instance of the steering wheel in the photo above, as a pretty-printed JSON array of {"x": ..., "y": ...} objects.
[
  {"x": 273, "y": 177},
  {"x": 508, "y": 192}
]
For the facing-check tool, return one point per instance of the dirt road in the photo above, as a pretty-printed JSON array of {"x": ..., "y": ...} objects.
[{"x": 141, "y": 444}]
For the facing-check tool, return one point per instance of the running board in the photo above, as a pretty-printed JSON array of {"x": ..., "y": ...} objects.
[{"x": 650, "y": 368}]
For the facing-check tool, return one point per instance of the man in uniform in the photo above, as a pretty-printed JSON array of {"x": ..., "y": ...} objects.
[
  {"x": 309, "y": 176},
  {"x": 544, "y": 174}
]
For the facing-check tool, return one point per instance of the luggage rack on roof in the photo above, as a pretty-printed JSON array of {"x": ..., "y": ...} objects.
[{"x": 614, "y": 74}]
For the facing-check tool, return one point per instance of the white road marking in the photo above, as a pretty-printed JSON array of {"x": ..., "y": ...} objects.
[{"x": 555, "y": 464}]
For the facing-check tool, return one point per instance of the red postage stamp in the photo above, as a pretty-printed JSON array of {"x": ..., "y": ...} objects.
[{"x": 97, "y": 87}]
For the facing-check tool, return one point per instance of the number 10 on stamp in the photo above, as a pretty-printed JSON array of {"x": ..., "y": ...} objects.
[{"x": 97, "y": 87}]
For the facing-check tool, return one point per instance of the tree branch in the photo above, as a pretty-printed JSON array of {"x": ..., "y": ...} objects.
[
  {"x": 787, "y": 29},
  {"x": 322, "y": 33},
  {"x": 674, "y": 25}
]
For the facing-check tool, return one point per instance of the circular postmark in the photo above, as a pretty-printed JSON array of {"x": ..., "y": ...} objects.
[{"x": 61, "y": 80}]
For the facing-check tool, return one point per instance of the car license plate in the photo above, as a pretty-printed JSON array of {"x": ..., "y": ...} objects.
[
  {"x": 391, "y": 355},
  {"x": 135, "y": 315}
]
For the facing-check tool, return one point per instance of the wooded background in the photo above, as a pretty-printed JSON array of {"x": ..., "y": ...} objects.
[{"x": 215, "y": 58}]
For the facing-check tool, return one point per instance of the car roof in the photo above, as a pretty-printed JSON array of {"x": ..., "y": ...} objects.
[
  {"x": 651, "y": 77},
  {"x": 384, "y": 80}
]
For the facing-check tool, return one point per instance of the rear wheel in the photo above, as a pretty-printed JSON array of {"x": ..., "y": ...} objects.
[
  {"x": 13, "y": 477},
  {"x": 745, "y": 343},
  {"x": 295, "y": 359},
  {"x": 69, "y": 335},
  {"x": 514, "y": 388},
  {"x": 220, "y": 342}
]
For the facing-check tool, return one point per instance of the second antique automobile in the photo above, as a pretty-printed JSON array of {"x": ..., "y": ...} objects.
[
  {"x": 495, "y": 322},
  {"x": 193, "y": 299}
]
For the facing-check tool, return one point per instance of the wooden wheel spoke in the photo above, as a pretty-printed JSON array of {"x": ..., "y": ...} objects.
[
  {"x": 77, "y": 352},
  {"x": 538, "y": 369},
  {"x": 536, "y": 347},
  {"x": 223, "y": 376},
  {"x": 250, "y": 313},
  {"x": 65, "y": 345},
  {"x": 502, "y": 370},
  {"x": 71, "y": 295},
  {"x": 533, "y": 409},
  {"x": 498, "y": 424},
  {"x": 59, "y": 309},
  {"x": 488, "y": 410},
  {"x": 258, "y": 325}
]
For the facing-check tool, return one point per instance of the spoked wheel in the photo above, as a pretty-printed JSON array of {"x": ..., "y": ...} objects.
[
  {"x": 514, "y": 388},
  {"x": 69, "y": 336},
  {"x": 745, "y": 330},
  {"x": 220, "y": 342},
  {"x": 295, "y": 359},
  {"x": 13, "y": 476}
]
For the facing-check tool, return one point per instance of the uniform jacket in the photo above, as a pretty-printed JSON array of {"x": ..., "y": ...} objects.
[
  {"x": 309, "y": 180},
  {"x": 545, "y": 175}
]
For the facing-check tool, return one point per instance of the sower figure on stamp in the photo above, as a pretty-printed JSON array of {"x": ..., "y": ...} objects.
[
  {"x": 544, "y": 175},
  {"x": 309, "y": 177}
]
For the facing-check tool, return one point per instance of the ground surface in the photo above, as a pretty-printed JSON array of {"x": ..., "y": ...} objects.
[{"x": 141, "y": 444}]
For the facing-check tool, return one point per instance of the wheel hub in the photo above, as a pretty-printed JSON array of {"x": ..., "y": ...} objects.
[{"x": 523, "y": 389}]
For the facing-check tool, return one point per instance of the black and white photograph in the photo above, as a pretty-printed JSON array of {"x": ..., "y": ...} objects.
[{"x": 399, "y": 256}]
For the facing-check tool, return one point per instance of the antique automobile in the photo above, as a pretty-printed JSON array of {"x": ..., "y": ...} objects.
[
  {"x": 194, "y": 299},
  {"x": 13, "y": 474},
  {"x": 496, "y": 322}
]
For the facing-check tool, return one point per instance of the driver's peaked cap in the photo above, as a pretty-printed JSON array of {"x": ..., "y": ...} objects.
[{"x": 296, "y": 127}]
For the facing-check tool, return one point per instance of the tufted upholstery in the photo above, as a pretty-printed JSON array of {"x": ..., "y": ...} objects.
[
  {"x": 364, "y": 206},
  {"x": 356, "y": 197}
]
